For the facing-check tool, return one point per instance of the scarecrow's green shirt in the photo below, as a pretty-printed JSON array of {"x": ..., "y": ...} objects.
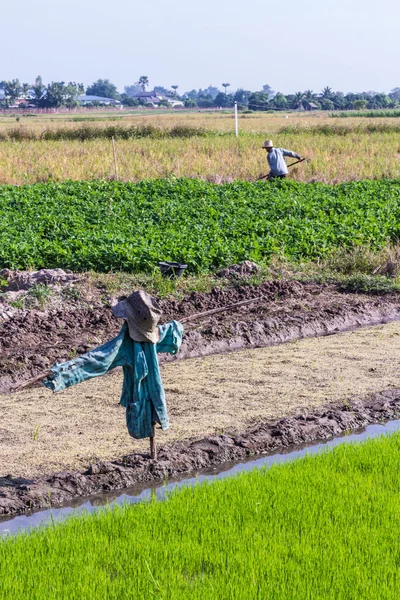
[{"x": 142, "y": 392}]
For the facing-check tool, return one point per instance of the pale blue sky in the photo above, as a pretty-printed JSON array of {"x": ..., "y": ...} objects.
[{"x": 350, "y": 45}]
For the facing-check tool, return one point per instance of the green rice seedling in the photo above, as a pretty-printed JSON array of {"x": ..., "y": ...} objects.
[{"x": 325, "y": 526}]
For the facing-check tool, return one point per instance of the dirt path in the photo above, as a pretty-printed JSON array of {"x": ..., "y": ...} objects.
[{"x": 43, "y": 432}]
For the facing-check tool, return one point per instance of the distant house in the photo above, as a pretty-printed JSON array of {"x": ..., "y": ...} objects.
[
  {"x": 310, "y": 106},
  {"x": 154, "y": 99},
  {"x": 85, "y": 100}
]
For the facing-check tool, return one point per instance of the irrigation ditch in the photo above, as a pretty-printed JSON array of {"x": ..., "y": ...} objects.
[
  {"x": 156, "y": 489},
  {"x": 33, "y": 340}
]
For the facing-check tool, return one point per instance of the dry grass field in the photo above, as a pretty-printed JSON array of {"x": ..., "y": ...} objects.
[{"x": 338, "y": 149}]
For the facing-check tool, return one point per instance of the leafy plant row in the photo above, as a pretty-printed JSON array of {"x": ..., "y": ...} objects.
[
  {"x": 91, "y": 132},
  {"x": 107, "y": 226},
  {"x": 340, "y": 129},
  {"x": 370, "y": 114}
]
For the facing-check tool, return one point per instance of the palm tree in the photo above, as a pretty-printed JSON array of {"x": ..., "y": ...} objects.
[
  {"x": 309, "y": 96},
  {"x": 174, "y": 87},
  {"x": 327, "y": 93},
  {"x": 225, "y": 85},
  {"x": 143, "y": 81},
  {"x": 25, "y": 89},
  {"x": 298, "y": 100}
]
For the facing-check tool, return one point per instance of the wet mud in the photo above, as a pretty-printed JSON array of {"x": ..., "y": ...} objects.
[
  {"x": 35, "y": 340},
  {"x": 18, "y": 495}
]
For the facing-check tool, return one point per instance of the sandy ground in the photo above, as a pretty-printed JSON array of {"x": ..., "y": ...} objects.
[{"x": 41, "y": 432}]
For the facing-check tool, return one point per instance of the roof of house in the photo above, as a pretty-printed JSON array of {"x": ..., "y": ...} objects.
[
  {"x": 89, "y": 98},
  {"x": 148, "y": 95}
]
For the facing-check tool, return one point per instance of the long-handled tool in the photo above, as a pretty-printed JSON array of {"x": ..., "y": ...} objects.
[
  {"x": 291, "y": 165},
  {"x": 201, "y": 315}
]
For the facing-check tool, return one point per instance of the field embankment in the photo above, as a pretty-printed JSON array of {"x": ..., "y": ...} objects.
[{"x": 105, "y": 226}]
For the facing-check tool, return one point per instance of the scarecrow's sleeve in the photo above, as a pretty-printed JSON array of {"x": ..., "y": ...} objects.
[
  {"x": 170, "y": 337},
  {"x": 92, "y": 364}
]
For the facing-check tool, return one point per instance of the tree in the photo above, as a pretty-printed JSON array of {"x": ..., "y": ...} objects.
[
  {"x": 223, "y": 99},
  {"x": 309, "y": 96},
  {"x": 225, "y": 85},
  {"x": 38, "y": 90},
  {"x": 54, "y": 97},
  {"x": 211, "y": 91},
  {"x": 164, "y": 102},
  {"x": 360, "y": 104},
  {"x": 103, "y": 88},
  {"x": 327, "y": 93},
  {"x": 259, "y": 101},
  {"x": 71, "y": 92},
  {"x": 205, "y": 101},
  {"x": 132, "y": 90},
  {"x": 242, "y": 96},
  {"x": 159, "y": 89},
  {"x": 190, "y": 103},
  {"x": 143, "y": 81},
  {"x": 267, "y": 89},
  {"x": 193, "y": 94},
  {"x": 395, "y": 94},
  {"x": 280, "y": 101},
  {"x": 326, "y": 104},
  {"x": 12, "y": 90},
  {"x": 56, "y": 93},
  {"x": 25, "y": 89},
  {"x": 174, "y": 87},
  {"x": 128, "y": 100},
  {"x": 297, "y": 101}
]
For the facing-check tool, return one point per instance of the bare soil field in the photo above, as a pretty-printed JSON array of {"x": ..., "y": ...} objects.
[
  {"x": 43, "y": 432},
  {"x": 257, "y": 377}
]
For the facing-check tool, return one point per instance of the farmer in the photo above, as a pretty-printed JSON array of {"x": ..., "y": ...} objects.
[
  {"x": 276, "y": 160},
  {"x": 135, "y": 350}
]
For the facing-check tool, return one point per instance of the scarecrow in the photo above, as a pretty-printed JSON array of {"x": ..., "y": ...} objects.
[{"x": 135, "y": 350}]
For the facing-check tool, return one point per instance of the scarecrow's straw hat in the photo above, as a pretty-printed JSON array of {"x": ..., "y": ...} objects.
[{"x": 142, "y": 314}]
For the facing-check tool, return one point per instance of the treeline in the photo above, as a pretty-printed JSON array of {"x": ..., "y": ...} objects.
[
  {"x": 58, "y": 94},
  {"x": 327, "y": 99}
]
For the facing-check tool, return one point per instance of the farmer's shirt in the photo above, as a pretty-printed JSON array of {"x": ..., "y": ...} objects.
[
  {"x": 277, "y": 161},
  {"x": 142, "y": 392}
]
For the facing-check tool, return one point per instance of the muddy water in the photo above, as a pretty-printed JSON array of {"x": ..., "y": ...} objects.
[{"x": 141, "y": 493}]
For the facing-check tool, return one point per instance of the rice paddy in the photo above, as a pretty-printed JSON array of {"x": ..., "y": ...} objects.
[{"x": 366, "y": 150}]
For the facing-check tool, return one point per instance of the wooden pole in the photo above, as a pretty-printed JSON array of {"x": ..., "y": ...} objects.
[
  {"x": 115, "y": 159},
  {"x": 222, "y": 309},
  {"x": 153, "y": 447}
]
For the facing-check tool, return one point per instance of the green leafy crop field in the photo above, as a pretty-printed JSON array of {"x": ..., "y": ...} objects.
[
  {"x": 321, "y": 527},
  {"x": 106, "y": 226}
]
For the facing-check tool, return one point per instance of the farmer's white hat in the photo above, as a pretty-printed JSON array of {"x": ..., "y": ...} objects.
[
  {"x": 142, "y": 314},
  {"x": 268, "y": 144}
]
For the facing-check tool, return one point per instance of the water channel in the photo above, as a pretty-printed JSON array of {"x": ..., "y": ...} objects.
[{"x": 144, "y": 492}]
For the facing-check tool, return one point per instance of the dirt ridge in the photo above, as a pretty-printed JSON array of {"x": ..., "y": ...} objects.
[
  {"x": 18, "y": 495},
  {"x": 35, "y": 341}
]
